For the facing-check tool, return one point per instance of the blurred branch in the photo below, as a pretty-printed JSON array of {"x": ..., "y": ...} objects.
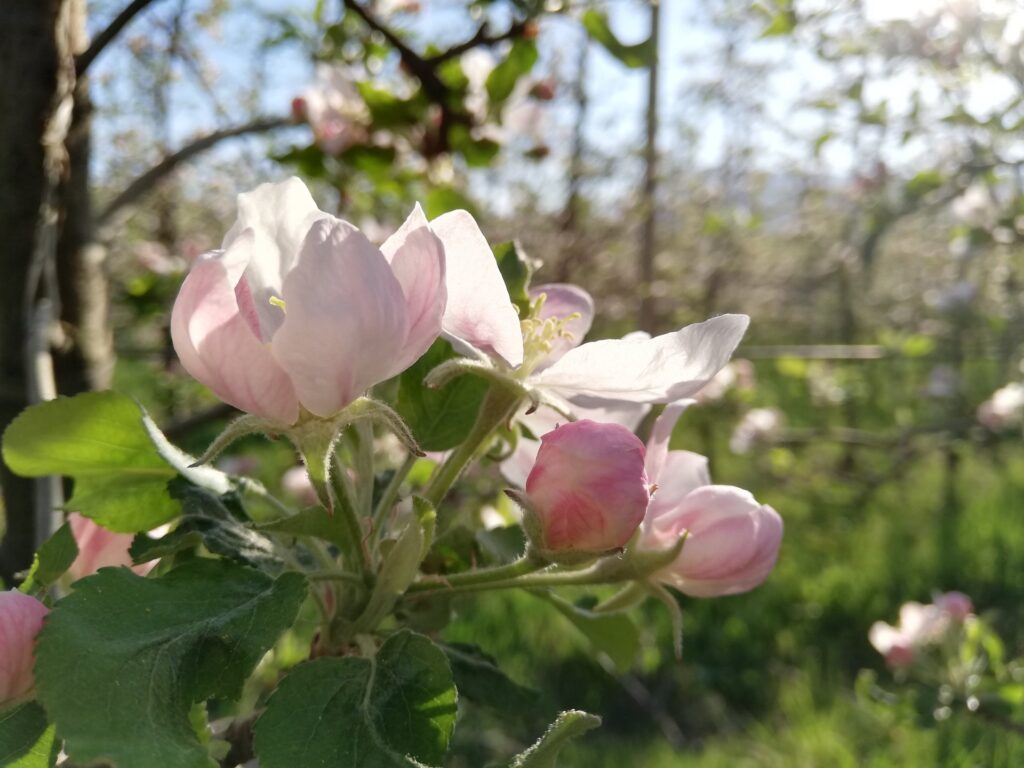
[
  {"x": 480, "y": 39},
  {"x": 422, "y": 68},
  {"x": 148, "y": 180},
  {"x": 105, "y": 37}
]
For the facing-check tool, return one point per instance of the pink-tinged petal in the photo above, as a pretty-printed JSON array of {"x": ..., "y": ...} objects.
[
  {"x": 279, "y": 216},
  {"x": 100, "y": 548},
  {"x": 587, "y": 490},
  {"x": 346, "y": 325},
  {"x": 661, "y": 435},
  {"x": 681, "y": 473},
  {"x": 479, "y": 311},
  {"x": 628, "y": 415},
  {"x": 659, "y": 370},
  {"x": 21, "y": 618},
  {"x": 516, "y": 468},
  {"x": 956, "y": 605},
  {"x": 732, "y": 541},
  {"x": 563, "y": 300},
  {"x": 417, "y": 260},
  {"x": 216, "y": 344}
]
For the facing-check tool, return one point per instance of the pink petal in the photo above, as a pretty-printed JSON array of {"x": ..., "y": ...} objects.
[
  {"x": 479, "y": 311},
  {"x": 659, "y": 370},
  {"x": 681, "y": 473},
  {"x": 21, "y": 618},
  {"x": 346, "y": 325},
  {"x": 417, "y": 260},
  {"x": 661, "y": 436},
  {"x": 216, "y": 344},
  {"x": 100, "y": 548}
]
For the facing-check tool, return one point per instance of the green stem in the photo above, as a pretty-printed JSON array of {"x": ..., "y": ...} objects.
[
  {"x": 387, "y": 499},
  {"x": 364, "y": 466},
  {"x": 481, "y": 578},
  {"x": 333, "y": 575},
  {"x": 355, "y": 552},
  {"x": 498, "y": 407}
]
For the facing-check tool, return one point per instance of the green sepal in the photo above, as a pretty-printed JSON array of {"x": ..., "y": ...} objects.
[{"x": 568, "y": 726}]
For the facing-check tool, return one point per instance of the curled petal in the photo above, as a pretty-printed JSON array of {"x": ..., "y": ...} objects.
[
  {"x": 479, "y": 312},
  {"x": 21, "y": 618},
  {"x": 659, "y": 370},
  {"x": 417, "y": 261},
  {"x": 732, "y": 543},
  {"x": 661, "y": 435},
  {"x": 563, "y": 300},
  {"x": 681, "y": 472},
  {"x": 346, "y": 326},
  {"x": 218, "y": 346}
]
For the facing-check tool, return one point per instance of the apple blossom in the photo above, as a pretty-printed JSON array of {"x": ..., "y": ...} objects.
[
  {"x": 919, "y": 626},
  {"x": 1004, "y": 407},
  {"x": 587, "y": 491},
  {"x": 296, "y": 483},
  {"x": 956, "y": 605},
  {"x": 333, "y": 108},
  {"x": 732, "y": 540},
  {"x": 299, "y": 309},
  {"x": 100, "y": 548},
  {"x": 758, "y": 425},
  {"x": 21, "y": 618}
]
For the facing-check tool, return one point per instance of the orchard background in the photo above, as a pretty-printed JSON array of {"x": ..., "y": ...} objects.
[{"x": 846, "y": 172}]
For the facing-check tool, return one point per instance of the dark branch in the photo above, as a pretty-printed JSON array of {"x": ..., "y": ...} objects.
[
  {"x": 480, "y": 39},
  {"x": 147, "y": 181},
  {"x": 104, "y": 38},
  {"x": 421, "y": 68}
]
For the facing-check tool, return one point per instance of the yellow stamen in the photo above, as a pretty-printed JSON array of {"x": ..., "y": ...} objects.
[{"x": 279, "y": 303}]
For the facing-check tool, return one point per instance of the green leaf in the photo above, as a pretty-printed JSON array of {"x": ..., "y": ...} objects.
[
  {"x": 121, "y": 660},
  {"x": 478, "y": 679},
  {"x": 923, "y": 183},
  {"x": 568, "y": 726},
  {"x": 502, "y": 79},
  {"x": 516, "y": 270},
  {"x": 311, "y": 521},
  {"x": 439, "y": 418},
  {"x": 118, "y": 459},
  {"x": 390, "y": 111},
  {"x": 614, "y": 634},
  {"x": 400, "y": 566},
  {"x": 208, "y": 521},
  {"x": 441, "y": 199},
  {"x": 54, "y": 557},
  {"x": 635, "y": 56},
  {"x": 396, "y": 709},
  {"x": 27, "y": 740}
]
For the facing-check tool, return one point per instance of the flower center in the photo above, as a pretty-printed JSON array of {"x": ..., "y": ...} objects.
[
  {"x": 541, "y": 334},
  {"x": 279, "y": 303}
]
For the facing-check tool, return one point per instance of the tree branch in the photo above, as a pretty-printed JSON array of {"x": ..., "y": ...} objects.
[
  {"x": 104, "y": 38},
  {"x": 480, "y": 39},
  {"x": 147, "y": 181}
]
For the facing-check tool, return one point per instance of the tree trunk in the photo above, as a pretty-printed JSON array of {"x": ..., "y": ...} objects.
[
  {"x": 37, "y": 46},
  {"x": 648, "y": 243}
]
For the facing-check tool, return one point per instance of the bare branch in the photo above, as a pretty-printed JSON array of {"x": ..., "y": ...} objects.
[
  {"x": 147, "y": 181},
  {"x": 104, "y": 38},
  {"x": 481, "y": 39}
]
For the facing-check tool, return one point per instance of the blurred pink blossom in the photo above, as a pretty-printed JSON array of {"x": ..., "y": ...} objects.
[
  {"x": 100, "y": 548},
  {"x": 21, "y": 618}
]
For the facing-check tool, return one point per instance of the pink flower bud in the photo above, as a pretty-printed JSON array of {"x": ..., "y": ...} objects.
[
  {"x": 893, "y": 644},
  {"x": 587, "y": 491},
  {"x": 100, "y": 548},
  {"x": 732, "y": 540},
  {"x": 21, "y": 618},
  {"x": 956, "y": 605}
]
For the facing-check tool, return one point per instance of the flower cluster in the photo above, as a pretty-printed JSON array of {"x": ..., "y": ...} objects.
[{"x": 920, "y": 626}]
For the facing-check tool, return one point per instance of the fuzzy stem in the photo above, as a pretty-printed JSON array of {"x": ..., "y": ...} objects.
[
  {"x": 387, "y": 499},
  {"x": 498, "y": 407}
]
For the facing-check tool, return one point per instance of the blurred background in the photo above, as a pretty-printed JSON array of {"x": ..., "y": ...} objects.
[{"x": 850, "y": 173}]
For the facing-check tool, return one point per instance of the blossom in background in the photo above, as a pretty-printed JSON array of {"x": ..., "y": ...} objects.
[
  {"x": 333, "y": 108},
  {"x": 298, "y": 308},
  {"x": 588, "y": 490},
  {"x": 738, "y": 374},
  {"x": 919, "y": 627},
  {"x": 295, "y": 482},
  {"x": 100, "y": 548},
  {"x": 758, "y": 425},
  {"x": 943, "y": 382},
  {"x": 21, "y": 618},
  {"x": 975, "y": 207},
  {"x": 732, "y": 540},
  {"x": 1003, "y": 408}
]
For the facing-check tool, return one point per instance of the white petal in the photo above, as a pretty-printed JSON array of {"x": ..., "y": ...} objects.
[
  {"x": 661, "y": 435},
  {"x": 659, "y": 370},
  {"x": 479, "y": 311}
]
